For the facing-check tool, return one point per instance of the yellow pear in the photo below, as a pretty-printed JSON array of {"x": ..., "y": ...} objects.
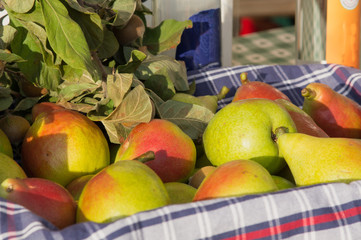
[{"x": 314, "y": 160}]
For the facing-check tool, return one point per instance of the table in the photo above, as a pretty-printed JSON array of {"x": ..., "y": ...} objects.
[{"x": 274, "y": 46}]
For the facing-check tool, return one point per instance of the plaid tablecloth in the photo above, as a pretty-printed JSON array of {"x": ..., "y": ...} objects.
[
  {"x": 325, "y": 211},
  {"x": 274, "y": 46}
]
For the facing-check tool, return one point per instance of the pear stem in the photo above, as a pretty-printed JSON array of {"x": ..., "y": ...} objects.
[
  {"x": 244, "y": 78},
  {"x": 308, "y": 93},
  {"x": 145, "y": 157},
  {"x": 280, "y": 131},
  {"x": 222, "y": 94}
]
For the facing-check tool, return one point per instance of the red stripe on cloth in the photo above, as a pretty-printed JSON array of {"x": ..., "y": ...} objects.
[{"x": 311, "y": 221}]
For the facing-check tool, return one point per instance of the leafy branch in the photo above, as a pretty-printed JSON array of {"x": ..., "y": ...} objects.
[{"x": 98, "y": 57}]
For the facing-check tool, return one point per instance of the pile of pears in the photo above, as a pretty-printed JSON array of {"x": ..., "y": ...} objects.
[{"x": 261, "y": 142}]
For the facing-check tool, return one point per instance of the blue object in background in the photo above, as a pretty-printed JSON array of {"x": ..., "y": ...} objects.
[{"x": 200, "y": 46}]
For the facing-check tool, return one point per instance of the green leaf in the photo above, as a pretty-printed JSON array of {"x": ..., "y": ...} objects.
[
  {"x": 176, "y": 70},
  {"x": 71, "y": 90},
  {"x": 26, "y": 46},
  {"x": 50, "y": 76},
  {"x": 5, "y": 98},
  {"x": 90, "y": 23},
  {"x": 34, "y": 15},
  {"x": 109, "y": 45},
  {"x": 165, "y": 36},
  {"x": 191, "y": 118},
  {"x": 26, "y": 103},
  {"x": 38, "y": 35},
  {"x": 161, "y": 84},
  {"x": 76, "y": 75},
  {"x": 10, "y": 57},
  {"x": 134, "y": 109},
  {"x": 136, "y": 59},
  {"x": 124, "y": 10},
  {"x": 21, "y": 6},
  {"x": 117, "y": 86},
  {"x": 7, "y": 34},
  {"x": 66, "y": 37}
]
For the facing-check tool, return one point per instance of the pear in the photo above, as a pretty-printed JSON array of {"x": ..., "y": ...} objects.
[
  {"x": 336, "y": 114},
  {"x": 175, "y": 152},
  {"x": 76, "y": 186},
  {"x": 304, "y": 122},
  {"x": 245, "y": 129},
  {"x": 257, "y": 89},
  {"x": 314, "y": 160},
  {"x": 120, "y": 190},
  {"x": 236, "y": 178},
  {"x": 282, "y": 183},
  {"x": 45, "y": 198},
  {"x": 180, "y": 192},
  {"x": 208, "y": 101},
  {"x": 5, "y": 145},
  {"x": 9, "y": 168}
]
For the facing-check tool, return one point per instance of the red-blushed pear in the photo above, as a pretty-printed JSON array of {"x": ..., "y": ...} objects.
[
  {"x": 245, "y": 129},
  {"x": 76, "y": 186},
  {"x": 9, "y": 168},
  {"x": 336, "y": 114},
  {"x": 44, "y": 107},
  {"x": 304, "y": 123},
  {"x": 180, "y": 192},
  {"x": 315, "y": 160},
  {"x": 257, "y": 89},
  {"x": 5, "y": 145},
  {"x": 120, "y": 190},
  {"x": 43, "y": 197},
  {"x": 175, "y": 151},
  {"x": 236, "y": 178},
  {"x": 63, "y": 145}
]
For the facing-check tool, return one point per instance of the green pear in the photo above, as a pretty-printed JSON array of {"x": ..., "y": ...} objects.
[
  {"x": 245, "y": 129},
  {"x": 208, "y": 101},
  {"x": 121, "y": 189},
  {"x": 236, "y": 178},
  {"x": 76, "y": 186},
  {"x": 282, "y": 183},
  {"x": 180, "y": 192},
  {"x": 314, "y": 160},
  {"x": 5, "y": 145},
  {"x": 9, "y": 168}
]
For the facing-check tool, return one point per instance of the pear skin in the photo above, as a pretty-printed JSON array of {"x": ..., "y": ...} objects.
[
  {"x": 245, "y": 129},
  {"x": 43, "y": 197},
  {"x": 336, "y": 114},
  {"x": 314, "y": 160},
  {"x": 9, "y": 168},
  {"x": 180, "y": 192},
  {"x": 120, "y": 190},
  {"x": 283, "y": 183},
  {"x": 304, "y": 123},
  {"x": 236, "y": 178},
  {"x": 175, "y": 152},
  {"x": 257, "y": 89},
  {"x": 207, "y": 101}
]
